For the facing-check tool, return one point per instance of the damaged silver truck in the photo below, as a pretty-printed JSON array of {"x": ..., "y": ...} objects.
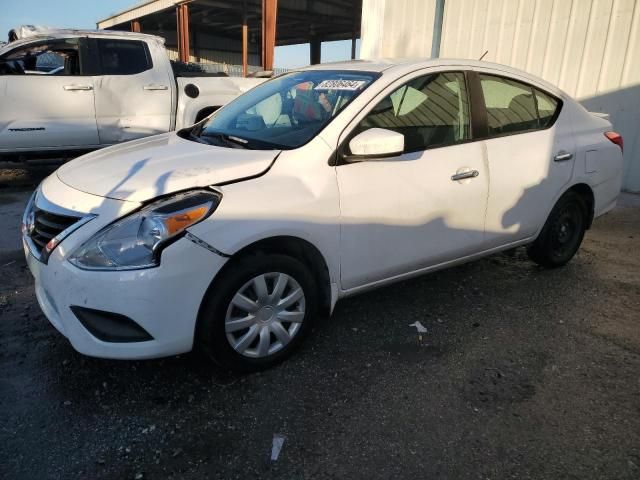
[{"x": 65, "y": 92}]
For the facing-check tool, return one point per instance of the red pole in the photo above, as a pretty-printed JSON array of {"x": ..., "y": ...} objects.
[
  {"x": 182, "y": 14},
  {"x": 269, "y": 15},
  {"x": 185, "y": 20},
  {"x": 245, "y": 46}
]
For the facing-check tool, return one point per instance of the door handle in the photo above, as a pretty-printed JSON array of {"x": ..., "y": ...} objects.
[
  {"x": 463, "y": 175},
  {"x": 155, "y": 87},
  {"x": 563, "y": 156},
  {"x": 71, "y": 88}
]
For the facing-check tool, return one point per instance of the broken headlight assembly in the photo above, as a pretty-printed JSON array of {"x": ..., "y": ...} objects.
[{"x": 135, "y": 241}]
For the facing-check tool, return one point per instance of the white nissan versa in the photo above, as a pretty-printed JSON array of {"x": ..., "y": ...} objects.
[{"x": 231, "y": 235}]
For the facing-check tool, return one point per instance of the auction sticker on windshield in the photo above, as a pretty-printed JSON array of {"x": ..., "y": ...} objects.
[{"x": 350, "y": 85}]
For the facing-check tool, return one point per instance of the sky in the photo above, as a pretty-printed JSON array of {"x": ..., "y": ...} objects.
[{"x": 85, "y": 13}]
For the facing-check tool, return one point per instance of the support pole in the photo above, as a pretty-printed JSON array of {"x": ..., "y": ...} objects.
[
  {"x": 353, "y": 31},
  {"x": 182, "y": 14},
  {"x": 437, "y": 29},
  {"x": 245, "y": 40},
  {"x": 245, "y": 47},
  {"x": 179, "y": 30},
  {"x": 315, "y": 50},
  {"x": 135, "y": 25},
  {"x": 269, "y": 15}
]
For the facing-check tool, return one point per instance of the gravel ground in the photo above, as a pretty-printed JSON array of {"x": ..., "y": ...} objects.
[{"x": 524, "y": 373}]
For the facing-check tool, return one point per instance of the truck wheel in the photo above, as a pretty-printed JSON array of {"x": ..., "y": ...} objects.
[
  {"x": 257, "y": 313},
  {"x": 562, "y": 233}
]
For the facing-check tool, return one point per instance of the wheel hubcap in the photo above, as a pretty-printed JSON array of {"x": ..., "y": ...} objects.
[
  {"x": 265, "y": 314},
  {"x": 565, "y": 231}
]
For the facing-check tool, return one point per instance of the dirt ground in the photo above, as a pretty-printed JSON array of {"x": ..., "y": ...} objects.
[{"x": 524, "y": 373}]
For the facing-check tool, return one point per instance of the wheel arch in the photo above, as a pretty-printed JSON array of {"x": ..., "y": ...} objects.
[
  {"x": 294, "y": 247},
  {"x": 586, "y": 192}
]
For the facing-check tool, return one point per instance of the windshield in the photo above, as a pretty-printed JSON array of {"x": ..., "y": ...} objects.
[{"x": 285, "y": 112}]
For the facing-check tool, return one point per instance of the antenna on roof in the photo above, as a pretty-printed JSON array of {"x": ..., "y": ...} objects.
[{"x": 483, "y": 55}]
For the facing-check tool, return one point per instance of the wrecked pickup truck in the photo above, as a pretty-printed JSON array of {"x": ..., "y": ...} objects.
[{"x": 65, "y": 92}]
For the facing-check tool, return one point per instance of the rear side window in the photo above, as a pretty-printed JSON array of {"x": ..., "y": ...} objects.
[
  {"x": 515, "y": 107},
  {"x": 430, "y": 111},
  {"x": 124, "y": 57},
  {"x": 547, "y": 107}
]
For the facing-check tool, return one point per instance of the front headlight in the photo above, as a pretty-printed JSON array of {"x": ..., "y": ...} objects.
[{"x": 136, "y": 240}]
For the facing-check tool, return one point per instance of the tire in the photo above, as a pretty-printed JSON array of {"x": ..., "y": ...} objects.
[
  {"x": 222, "y": 306},
  {"x": 562, "y": 233}
]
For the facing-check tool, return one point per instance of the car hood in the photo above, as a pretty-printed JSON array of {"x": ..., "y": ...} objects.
[{"x": 147, "y": 168}]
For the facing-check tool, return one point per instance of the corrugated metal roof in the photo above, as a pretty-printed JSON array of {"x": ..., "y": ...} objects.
[{"x": 137, "y": 11}]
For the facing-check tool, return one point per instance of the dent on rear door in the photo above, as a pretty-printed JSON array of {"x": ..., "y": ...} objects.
[
  {"x": 125, "y": 112},
  {"x": 130, "y": 106}
]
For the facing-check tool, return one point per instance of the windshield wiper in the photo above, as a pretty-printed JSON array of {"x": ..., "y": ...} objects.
[
  {"x": 198, "y": 139},
  {"x": 229, "y": 140},
  {"x": 233, "y": 141},
  {"x": 238, "y": 140}
]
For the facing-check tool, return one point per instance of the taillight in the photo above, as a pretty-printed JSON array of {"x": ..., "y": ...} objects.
[{"x": 615, "y": 138}]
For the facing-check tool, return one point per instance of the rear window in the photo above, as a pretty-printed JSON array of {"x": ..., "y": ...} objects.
[
  {"x": 515, "y": 107},
  {"x": 124, "y": 57},
  {"x": 547, "y": 107}
]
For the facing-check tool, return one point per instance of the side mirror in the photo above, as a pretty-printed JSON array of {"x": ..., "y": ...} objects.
[{"x": 375, "y": 143}]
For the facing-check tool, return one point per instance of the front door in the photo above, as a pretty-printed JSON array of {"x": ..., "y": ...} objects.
[
  {"x": 46, "y": 101},
  {"x": 424, "y": 207}
]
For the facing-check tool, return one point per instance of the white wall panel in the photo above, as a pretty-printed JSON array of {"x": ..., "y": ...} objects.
[
  {"x": 397, "y": 28},
  {"x": 589, "y": 48}
]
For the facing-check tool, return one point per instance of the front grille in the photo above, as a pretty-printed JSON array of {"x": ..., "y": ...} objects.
[{"x": 47, "y": 225}]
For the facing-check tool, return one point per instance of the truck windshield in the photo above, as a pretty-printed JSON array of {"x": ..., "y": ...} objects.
[{"x": 285, "y": 112}]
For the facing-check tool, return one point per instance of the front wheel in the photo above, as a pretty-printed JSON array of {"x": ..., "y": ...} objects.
[
  {"x": 562, "y": 233},
  {"x": 258, "y": 312}
]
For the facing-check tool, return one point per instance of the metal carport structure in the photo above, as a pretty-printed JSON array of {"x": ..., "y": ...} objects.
[{"x": 241, "y": 31}]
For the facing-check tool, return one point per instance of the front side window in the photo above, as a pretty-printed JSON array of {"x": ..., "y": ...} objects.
[
  {"x": 515, "y": 107},
  {"x": 123, "y": 57},
  {"x": 285, "y": 112},
  {"x": 55, "y": 57},
  {"x": 430, "y": 111}
]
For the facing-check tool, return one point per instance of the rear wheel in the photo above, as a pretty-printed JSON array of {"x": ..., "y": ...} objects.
[
  {"x": 258, "y": 313},
  {"x": 562, "y": 233}
]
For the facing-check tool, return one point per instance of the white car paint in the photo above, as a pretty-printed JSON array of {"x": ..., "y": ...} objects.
[
  {"x": 132, "y": 106},
  {"x": 38, "y": 113},
  {"x": 175, "y": 163},
  {"x": 379, "y": 140},
  {"x": 373, "y": 222},
  {"x": 48, "y": 112}
]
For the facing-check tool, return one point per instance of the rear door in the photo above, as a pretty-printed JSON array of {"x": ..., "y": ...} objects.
[
  {"x": 47, "y": 99},
  {"x": 133, "y": 90},
  {"x": 530, "y": 148}
]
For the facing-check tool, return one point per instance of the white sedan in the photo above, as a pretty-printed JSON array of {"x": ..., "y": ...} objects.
[{"x": 233, "y": 234}]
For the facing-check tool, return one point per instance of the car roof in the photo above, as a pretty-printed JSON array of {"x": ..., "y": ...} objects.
[
  {"x": 49, "y": 34},
  {"x": 400, "y": 66}
]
